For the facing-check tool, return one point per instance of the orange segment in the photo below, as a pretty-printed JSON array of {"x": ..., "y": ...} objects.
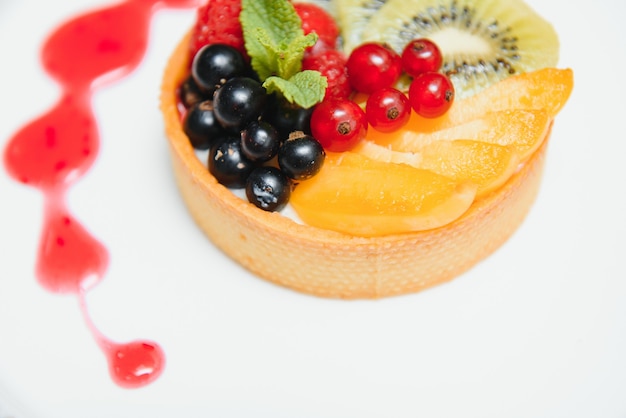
[
  {"x": 522, "y": 129},
  {"x": 359, "y": 196},
  {"x": 386, "y": 154},
  {"x": 486, "y": 165},
  {"x": 546, "y": 89}
]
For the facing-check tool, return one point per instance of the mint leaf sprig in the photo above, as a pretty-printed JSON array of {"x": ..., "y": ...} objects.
[{"x": 275, "y": 42}]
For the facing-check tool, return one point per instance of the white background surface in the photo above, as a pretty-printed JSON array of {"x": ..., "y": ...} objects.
[{"x": 536, "y": 331}]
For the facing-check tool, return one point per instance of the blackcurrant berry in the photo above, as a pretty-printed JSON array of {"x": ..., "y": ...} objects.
[
  {"x": 201, "y": 126},
  {"x": 216, "y": 63},
  {"x": 228, "y": 164},
  {"x": 301, "y": 156},
  {"x": 268, "y": 188},
  {"x": 260, "y": 141},
  {"x": 190, "y": 93},
  {"x": 288, "y": 117},
  {"x": 238, "y": 102}
]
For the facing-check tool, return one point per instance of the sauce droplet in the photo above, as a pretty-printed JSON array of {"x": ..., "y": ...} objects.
[
  {"x": 54, "y": 150},
  {"x": 135, "y": 364},
  {"x": 131, "y": 365}
]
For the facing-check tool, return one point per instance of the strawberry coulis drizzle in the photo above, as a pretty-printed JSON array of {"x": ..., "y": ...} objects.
[{"x": 53, "y": 151}]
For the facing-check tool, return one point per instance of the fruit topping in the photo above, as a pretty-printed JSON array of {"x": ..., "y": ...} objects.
[
  {"x": 189, "y": 93},
  {"x": 431, "y": 94},
  {"x": 450, "y": 90},
  {"x": 238, "y": 102},
  {"x": 217, "y": 22},
  {"x": 260, "y": 141},
  {"x": 227, "y": 162},
  {"x": 331, "y": 64},
  {"x": 301, "y": 156},
  {"x": 338, "y": 124},
  {"x": 522, "y": 129},
  {"x": 319, "y": 21},
  {"x": 483, "y": 164},
  {"x": 373, "y": 66},
  {"x": 353, "y": 16},
  {"x": 547, "y": 89},
  {"x": 387, "y": 110},
  {"x": 268, "y": 188},
  {"x": 276, "y": 44},
  {"x": 361, "y": 196},
  {"x": 421, "y": 56},
  {"x": 287, "y": 117},
  {"x": 216, "y": 63},
  {"x": 479, "y": 143},
  {"x": 224, "y": 102},
  {"x": 201, "y": 125}
]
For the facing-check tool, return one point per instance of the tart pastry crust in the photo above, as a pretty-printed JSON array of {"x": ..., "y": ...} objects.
[{"x": 330, "y": 264}]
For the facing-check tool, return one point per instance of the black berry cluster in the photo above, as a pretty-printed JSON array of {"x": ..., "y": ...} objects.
[{"x": 256, "y": 141}]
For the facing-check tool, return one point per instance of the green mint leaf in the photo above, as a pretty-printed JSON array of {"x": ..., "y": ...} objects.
[
  {"x": 276, "y": 44},
  {"x": 305, "y": 88},
  {"x": 290, "y": 60},
  {"x": 269, "y": 27},
  {"x": 283, "y": 60},
  {"x": 265, "y": 59}
]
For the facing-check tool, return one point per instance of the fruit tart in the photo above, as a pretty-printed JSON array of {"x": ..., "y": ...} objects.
[{"x": 362, "y": 149}]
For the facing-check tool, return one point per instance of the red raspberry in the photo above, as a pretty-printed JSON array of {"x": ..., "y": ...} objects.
[
  {"x": 331, "y": 64},
  {"x": 218, "y": 22},
  {"x": 315, "y": 19}
]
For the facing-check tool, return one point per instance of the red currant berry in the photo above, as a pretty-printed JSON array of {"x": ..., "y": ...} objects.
[
  {"x": 373, "y": 66},
  {"x": 387, "y": 109},
  {"x": 421, "y": 56},
  {"x": 338, "y": 124},
  {"x": 431, "y": 94}
]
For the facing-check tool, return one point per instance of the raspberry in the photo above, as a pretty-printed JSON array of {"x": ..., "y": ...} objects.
[
  {"x": 331, "y": 63},
  {"x": 315, "y": 19},
  {"x": 218, "y": 22}
]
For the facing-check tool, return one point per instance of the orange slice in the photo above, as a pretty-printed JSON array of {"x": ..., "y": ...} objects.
[
  {"x": 364, "y": 197},
  {"x": 523, "y": 129},
  {"x": 486, "y": 165},
  {"x": 547, "y": 89}
]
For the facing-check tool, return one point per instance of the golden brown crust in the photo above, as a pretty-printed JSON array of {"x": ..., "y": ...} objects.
[{"x": 331, "y": 264}]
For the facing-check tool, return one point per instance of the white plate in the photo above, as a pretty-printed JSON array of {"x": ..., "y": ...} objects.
[{"x": 537, "y": 330}]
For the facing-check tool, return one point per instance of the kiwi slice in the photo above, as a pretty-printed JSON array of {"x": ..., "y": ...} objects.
[
  {"x": 354, "y": 15},
  {"x": 482, "y": 41}
]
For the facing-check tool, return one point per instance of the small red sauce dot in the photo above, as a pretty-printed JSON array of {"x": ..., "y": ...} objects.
[{"x": 135, "y": 364}]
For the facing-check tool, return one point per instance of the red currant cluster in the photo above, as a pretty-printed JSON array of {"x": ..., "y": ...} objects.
[
  {"x": 431, "y": 92},
  {"x": 374, "y": 69}
]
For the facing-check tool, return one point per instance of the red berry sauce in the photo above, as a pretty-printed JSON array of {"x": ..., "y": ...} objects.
[{"x": 54, "y": 150}]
